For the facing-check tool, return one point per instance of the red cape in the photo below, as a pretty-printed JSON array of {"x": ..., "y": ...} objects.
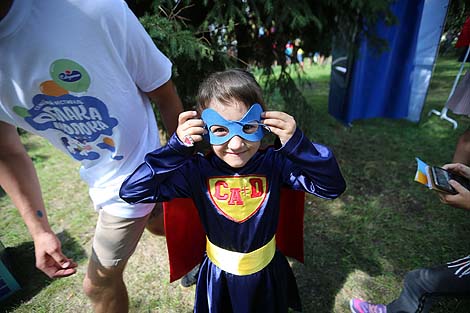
[{"x": 186, "y": 239}]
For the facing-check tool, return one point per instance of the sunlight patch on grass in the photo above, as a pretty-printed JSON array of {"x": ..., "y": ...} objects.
[
  {"x": 358, "y": 285},
  {"x": 335, "y": 207}
]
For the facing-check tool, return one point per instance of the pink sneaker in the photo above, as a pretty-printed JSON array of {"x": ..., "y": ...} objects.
[{"x": 361, "y": 306}]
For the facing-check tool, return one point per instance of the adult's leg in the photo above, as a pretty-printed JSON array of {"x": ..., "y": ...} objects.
[
  {"x": 105, "y": 287},
  {"x": 462, "y": 150},
  {"x": 114, "y": 242},
  {"x": 422, "y": 285}
]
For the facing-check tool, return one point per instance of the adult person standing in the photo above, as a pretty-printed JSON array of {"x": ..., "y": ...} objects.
[{"x": 81, "y": 74}]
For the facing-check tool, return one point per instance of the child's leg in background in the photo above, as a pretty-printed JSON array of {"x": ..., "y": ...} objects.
[{"x": 421, "y": 285}]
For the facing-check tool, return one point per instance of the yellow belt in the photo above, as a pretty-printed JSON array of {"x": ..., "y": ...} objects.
[{"x": 241, "y": 263}]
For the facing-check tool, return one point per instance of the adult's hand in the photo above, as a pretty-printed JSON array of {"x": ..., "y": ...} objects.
[
  {"x": 458, "y": 168},
  {"x": 49, "y": 256},
  {"x": 19, "y": 180},
  {"x": 462, "y": 198}
]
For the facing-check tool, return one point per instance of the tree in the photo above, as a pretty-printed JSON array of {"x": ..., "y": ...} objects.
[
  {"x": 205, "y": 36},
  {"x": 457, "y": 13}
]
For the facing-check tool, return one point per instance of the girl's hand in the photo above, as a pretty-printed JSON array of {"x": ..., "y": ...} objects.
[
  {"x": 281, "y": 124},
  {"x": 190, "y": 128}
]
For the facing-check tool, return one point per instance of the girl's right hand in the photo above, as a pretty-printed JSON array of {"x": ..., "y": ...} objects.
[{"x": 190, "y": 127}]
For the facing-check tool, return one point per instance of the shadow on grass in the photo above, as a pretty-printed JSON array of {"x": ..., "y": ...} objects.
[
  {"x": 330, "y": 257},
  {"x": 21, "y": 263}
]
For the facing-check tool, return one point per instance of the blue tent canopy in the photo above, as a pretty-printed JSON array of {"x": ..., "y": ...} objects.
[{"x": 392, "y": 84}]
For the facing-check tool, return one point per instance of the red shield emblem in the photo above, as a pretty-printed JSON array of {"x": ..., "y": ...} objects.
[{"x": 238, "y": 197}]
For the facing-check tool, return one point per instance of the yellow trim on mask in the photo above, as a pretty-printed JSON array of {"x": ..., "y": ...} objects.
[{"x": 241, "y": 263}]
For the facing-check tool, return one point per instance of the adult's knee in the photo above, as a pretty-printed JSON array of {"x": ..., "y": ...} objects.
[
  {"x": 425, "y": 279},
  {"x": 98, "y": 283},
  {"x": 91, "y": 289},
  {"x": 414, "y": 277}
]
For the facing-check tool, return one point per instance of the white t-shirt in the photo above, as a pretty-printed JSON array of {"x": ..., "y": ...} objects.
[{"x": 74, "y": 72}]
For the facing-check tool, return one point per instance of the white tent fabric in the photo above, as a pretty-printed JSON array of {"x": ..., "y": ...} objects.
[
  {"x": 445, "y": 109},
  {"x": 430, "y": 31}
]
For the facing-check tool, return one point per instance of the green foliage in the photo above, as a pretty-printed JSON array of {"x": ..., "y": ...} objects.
[
  {"x": 178, "y": 42},
  {"x": 201, "y": 37},
  {"x": 207, "y": 36},
  {"x": 222, "y": 12},
  {"x": 457, "y": 12},
  {"x": 188, "y": 49},
  {"x": 282, "y": 82}
]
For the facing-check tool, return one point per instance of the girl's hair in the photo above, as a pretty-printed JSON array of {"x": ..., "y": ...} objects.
[{"x": 229, "y": 85}]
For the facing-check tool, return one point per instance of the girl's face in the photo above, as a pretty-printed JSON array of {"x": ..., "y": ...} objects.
[{"x": 237, "y": 151}]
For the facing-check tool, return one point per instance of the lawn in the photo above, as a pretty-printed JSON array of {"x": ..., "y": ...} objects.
[{"x": 359, "y": 245}]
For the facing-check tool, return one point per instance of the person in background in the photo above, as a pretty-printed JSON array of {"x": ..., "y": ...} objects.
[
  {"x": 289, "y": 52},
  {"x": 299, "y": 52},
  {"x": 81, "y": 74},
  {"x": 236, "y": 189}
]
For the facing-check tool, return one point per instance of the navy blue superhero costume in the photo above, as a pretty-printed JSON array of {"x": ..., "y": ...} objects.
[{"x": 239, "y": 209}]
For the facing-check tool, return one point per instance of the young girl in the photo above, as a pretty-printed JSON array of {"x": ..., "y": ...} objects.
[{"x": 236, "y": 190}]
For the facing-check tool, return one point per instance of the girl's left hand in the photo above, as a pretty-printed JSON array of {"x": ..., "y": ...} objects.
[{"x": 281, "y": 124}]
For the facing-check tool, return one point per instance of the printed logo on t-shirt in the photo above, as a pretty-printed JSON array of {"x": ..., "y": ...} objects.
[
  {"x": 238, "y": 197},
  {"x": 84, "y": 121}
]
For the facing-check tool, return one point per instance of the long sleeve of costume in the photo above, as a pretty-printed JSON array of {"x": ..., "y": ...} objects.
[
  {"x": 156, "y": 179},
  {"x": 311, "y": 167}
]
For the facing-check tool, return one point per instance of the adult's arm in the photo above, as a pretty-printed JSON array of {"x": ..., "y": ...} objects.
[
  {"x": 169, "y": 105},
  {"x": 19, "y": 180}
]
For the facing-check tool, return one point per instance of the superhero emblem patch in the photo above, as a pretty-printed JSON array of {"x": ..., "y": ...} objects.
[{"x": 239, "y": 197}]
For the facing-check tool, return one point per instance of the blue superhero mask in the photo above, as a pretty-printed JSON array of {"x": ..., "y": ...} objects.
[{"x": 221, "y": 130}]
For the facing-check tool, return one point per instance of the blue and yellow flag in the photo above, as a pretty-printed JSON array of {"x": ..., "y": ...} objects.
[{"x": 421, "y": 173}]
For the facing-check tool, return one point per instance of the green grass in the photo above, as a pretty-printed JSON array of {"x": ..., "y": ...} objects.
[{"x": 359, "y": 245}]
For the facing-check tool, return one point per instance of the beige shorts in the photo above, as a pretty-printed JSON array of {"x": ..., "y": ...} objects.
[{"x": 116, "y": 238}]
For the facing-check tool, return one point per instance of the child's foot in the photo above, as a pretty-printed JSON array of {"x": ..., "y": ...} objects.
[
  {"x": 190, "y": 278},
  {"x": 361, "y": 306}
]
